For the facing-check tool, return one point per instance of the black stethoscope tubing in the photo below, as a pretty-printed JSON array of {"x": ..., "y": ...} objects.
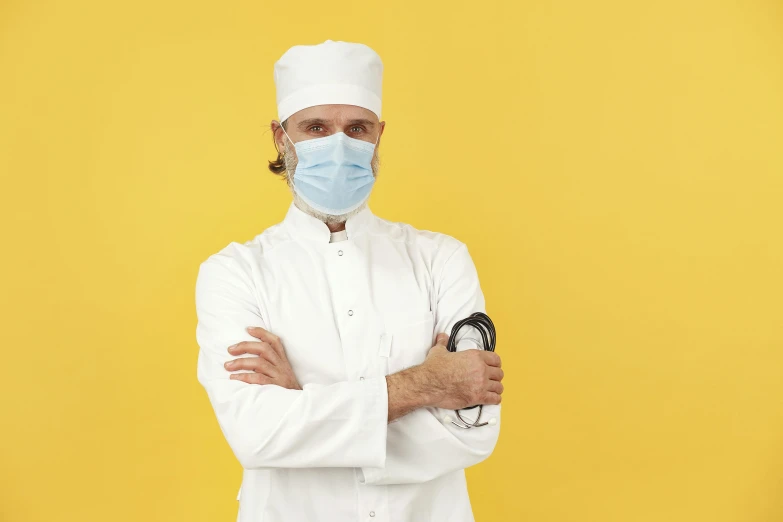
[{"x": 486, "y": 328}]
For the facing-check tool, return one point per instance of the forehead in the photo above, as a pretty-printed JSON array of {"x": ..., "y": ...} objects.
[{"x": 334, "y": 112}]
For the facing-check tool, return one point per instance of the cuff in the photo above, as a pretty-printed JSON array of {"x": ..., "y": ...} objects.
[{"x": 377, "y": 387}]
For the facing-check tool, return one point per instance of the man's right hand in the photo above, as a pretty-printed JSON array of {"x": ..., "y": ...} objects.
[{"x": 461, "y": 379}]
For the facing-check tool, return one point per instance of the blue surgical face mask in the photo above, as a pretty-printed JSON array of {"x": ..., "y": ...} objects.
[{"x": 334, "y": 173}]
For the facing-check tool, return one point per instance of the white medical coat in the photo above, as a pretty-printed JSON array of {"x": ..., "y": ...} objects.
[{"x": 348, "y": 313}]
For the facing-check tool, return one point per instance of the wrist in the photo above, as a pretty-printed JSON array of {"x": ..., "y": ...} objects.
[
  {"x": 408, "y": 391},
  {"x": 423, "y": 380}
]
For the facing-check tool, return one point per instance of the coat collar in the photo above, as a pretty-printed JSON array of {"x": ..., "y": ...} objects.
[{"x": 300, "y": 224}]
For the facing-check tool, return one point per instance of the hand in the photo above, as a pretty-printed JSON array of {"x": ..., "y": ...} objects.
[
  {"x": 462, "y": 379},
  {"x": 270, "y": 367}
]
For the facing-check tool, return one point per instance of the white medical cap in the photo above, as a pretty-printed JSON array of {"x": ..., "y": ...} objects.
[{"x": 327, "y": 73}]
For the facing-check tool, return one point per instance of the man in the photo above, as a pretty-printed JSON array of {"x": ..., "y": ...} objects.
[{"x": 338, "y": 400}]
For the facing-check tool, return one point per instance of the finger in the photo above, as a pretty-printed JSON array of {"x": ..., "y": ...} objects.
[
  {"x": 442, "y": 339},
  {"x": 438, "y": 348},
  {"x": 257, "y": 332},
  {"x": 491, "y": 358},
  {"x": 494, "y": 373},
  {"x": 251, "y": 378},
  {"x": 491, "y": 398},
  {"x": 255, "y": 364},
  {"x": 495, "y": 387},
  {"x": 260, "y": 348},
  {"x": 269, "y": 337}
]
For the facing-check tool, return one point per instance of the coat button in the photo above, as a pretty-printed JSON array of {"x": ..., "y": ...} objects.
[
  {"x": 361, "y": 378},
  {"x": 350, "y": 312},
  {"x": 339, "y": 252},
  {"x": 372, "y": 513}
]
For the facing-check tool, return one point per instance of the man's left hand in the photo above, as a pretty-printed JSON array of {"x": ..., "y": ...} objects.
[{"x": 270, "y": 367}]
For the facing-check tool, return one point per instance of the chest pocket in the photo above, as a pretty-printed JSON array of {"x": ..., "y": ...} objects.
[{"x": 407, "y": 340}]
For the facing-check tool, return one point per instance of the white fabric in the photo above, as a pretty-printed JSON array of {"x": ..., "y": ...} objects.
[
  {"x": 340, "y": 235},
  {"x": 328, "y": 73},
  {"x": 348, "y": 313}
]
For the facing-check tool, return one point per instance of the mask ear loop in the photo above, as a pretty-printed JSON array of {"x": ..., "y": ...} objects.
[
  {"x": 292, "y": 143},
  {"x": 287, "y": 136}
]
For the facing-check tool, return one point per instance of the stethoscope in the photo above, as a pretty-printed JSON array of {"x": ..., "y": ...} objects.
[{"x": 484, "y": 325}]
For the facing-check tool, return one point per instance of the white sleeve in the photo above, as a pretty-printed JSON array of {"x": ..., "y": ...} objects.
[
  {"x": 340, "y": 425},
  {"x": 422, "y": 446}
]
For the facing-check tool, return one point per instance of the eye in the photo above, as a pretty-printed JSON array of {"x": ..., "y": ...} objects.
[
  {"x": 357, "y": 129},
  {"x": 315, "y": 128}
]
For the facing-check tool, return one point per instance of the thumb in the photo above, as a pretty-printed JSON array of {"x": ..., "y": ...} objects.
[{"x": 440, "y": 345}]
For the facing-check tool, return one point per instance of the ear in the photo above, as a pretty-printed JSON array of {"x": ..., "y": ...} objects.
[{"x": 279, "y": 137}]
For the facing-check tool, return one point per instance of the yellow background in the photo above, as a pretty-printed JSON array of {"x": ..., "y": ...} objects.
[{"x": 615, "y": 168}]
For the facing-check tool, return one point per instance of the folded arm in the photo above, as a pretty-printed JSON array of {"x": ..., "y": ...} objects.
[
  {"x": 423, "y": 444},
  {"x": 343, "y": 424},
  {"x": 340, "y": 425}
]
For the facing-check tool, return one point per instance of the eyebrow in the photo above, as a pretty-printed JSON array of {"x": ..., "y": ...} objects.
[
  {"x": 312, "y": 121},
  {"x": 320, "y": 121},
  {"x": 368, "y": 123}
]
